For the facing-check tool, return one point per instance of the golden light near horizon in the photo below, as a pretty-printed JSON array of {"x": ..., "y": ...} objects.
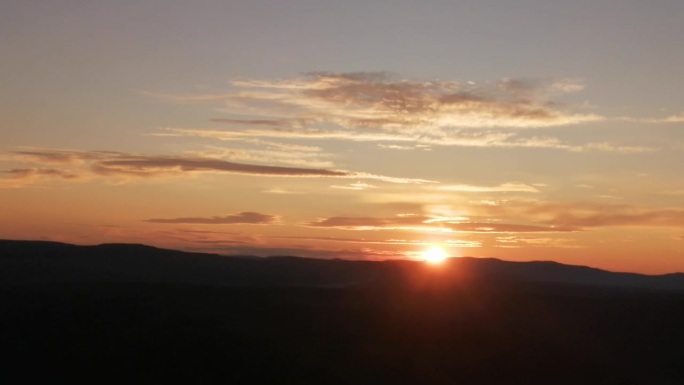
[
  {"x": 378, "y": 149},
  {"x": 435, "y": 255}
]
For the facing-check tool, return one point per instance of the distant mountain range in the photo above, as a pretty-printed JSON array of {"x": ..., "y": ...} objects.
[
  {"x": 41, "y": 262},
  {"x": 125, "y": 312}
]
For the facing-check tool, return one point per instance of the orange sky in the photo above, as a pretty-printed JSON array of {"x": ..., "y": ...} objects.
[{"x": 350, "y": 130}]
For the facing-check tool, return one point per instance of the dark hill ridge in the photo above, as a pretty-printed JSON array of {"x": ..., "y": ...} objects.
[
  {"x": 122, "y": 313},
  {"x": 23, "y": 262}
]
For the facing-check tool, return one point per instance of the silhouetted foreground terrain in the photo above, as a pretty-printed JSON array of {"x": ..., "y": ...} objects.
[{"x": 145, "y": 315}]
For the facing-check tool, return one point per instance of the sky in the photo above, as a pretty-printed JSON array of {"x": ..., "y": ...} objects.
[{"x": 520, "y": 130}]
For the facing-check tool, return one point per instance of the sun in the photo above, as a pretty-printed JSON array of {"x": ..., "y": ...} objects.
[{"x": 435, "y": 255}]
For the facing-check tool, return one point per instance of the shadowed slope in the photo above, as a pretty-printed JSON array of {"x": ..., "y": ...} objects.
[{"x": 44, "y": 262}]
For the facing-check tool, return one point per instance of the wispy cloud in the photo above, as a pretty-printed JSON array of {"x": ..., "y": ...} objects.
[
  {"x": 149, "y": 166},
  {"x": 288, "y": 123},
  {"x": 508, "y": 228},
  {"x": 60, "y": 156},
  {"x": 358, "y": 186},
  {"x": 678, "y": 118},
  {"x": 505, "y": 187},
  {"x": 431, "y": 223},
  {"x": 410, "y": 139},
  {"x": 450, "y": 242},
  {"x": 24, "y": 173},
  {"x": 19, "y": 177},
  {"x": 585, "y": 215},
  {"x": 159, "y": 165},
  {"x": 616, "y": 216},
  {"x": 380, "y": 100},
  {"x": 423, "y": 147},
  {"x": 518, "y": 242},
  {"x": 674, "y": 118},
  {"x": 403, "y": 114},
  {"x": 275, "y": 153},
  {"x": 240, "y": 218},
  {"x": 282, "y": 191},
  {"x": 364, "y": 253},
  {"x": 370, "y": 223}
]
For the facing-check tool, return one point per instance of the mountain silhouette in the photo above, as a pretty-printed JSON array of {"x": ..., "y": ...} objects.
[
  {"x": 45, "y": 262},
  {"x": 116, "y": 313}
]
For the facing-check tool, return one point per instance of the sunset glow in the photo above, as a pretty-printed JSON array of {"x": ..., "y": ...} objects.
[
  {"x": 435, "y": 255},
  {"x": 348, "y": 129}
]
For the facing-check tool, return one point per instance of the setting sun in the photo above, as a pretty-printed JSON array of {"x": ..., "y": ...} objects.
[{"x": 435, "y": 255}]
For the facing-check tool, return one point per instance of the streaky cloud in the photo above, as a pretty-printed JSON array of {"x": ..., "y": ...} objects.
[
  {"x": 20, "y": 177},
  {"x": 144, "y": 166},
  {"x": 505, "y": 187},
  {"x": 381, "y": 100},
  {"x": 678, "y": 118},
  {"x": 586, "y": 216},
  {"x": 422, "y": 222},
  {"x": 457, "y": 243},
  {"x": 246, "y": 217},
  {"x": 297, "y": 123},
  {"x": 418, "y": 140},
  {"x": 149, "y": 166},
  {"x": 61, "y": 156},
  {"x": 26, "y": 173},
  {"x": 364, "y": 253},
  {"x": 358, "y": 186},
  {"x": 380, "y": 106}
]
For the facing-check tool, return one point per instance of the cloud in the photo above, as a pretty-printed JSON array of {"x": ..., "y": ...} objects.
[
  {"x": 177, "y": 238},
  {"x": 610, "y": 216},
  {"x": 679, "y": 118},
  {"x": 305, "y": 133},
  {"x": 60, "y": 156},
  {"x": 418, "y": 140},
  {"x": 56, "y": 156},
  {"x": 369, "y": 223},
  {"x": 423, "y": 147},
  {"x": 288, "y": 146},
  {"x": 476, "y": 227},
  {"x": 240, "y": 218},
  {"x": 365, "y": 253},
  {"x": 20, "y": 177},
  {"x": 257, "y": 150},
  {"x": 527, "y": 87},
  {"x": 382, "y": 101},
  {"x": 351, "y": 240},
  {"x": 24, "y": 173},
  {"x": 277, "y": 153},
  {"x": 155, "y": 165},
  {"x": 583, "y": 215},
  {"x": 675, "y": 118},
  {"x": 517, "y": 242},
  {"x": 505, "y": 187},
  {"x": 147, "y": 166},
  {"x": 430, "y": 223},
  {"x": 282, "y": 191},
  {"x": 358, "y": 186},
  {"x": 289, "y": 123},
  {"x": 377, "y": 106},
  {"x": 454, "y": 242}
]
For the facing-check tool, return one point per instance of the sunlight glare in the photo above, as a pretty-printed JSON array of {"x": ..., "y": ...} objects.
[{"x": 435, "y": 255}]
